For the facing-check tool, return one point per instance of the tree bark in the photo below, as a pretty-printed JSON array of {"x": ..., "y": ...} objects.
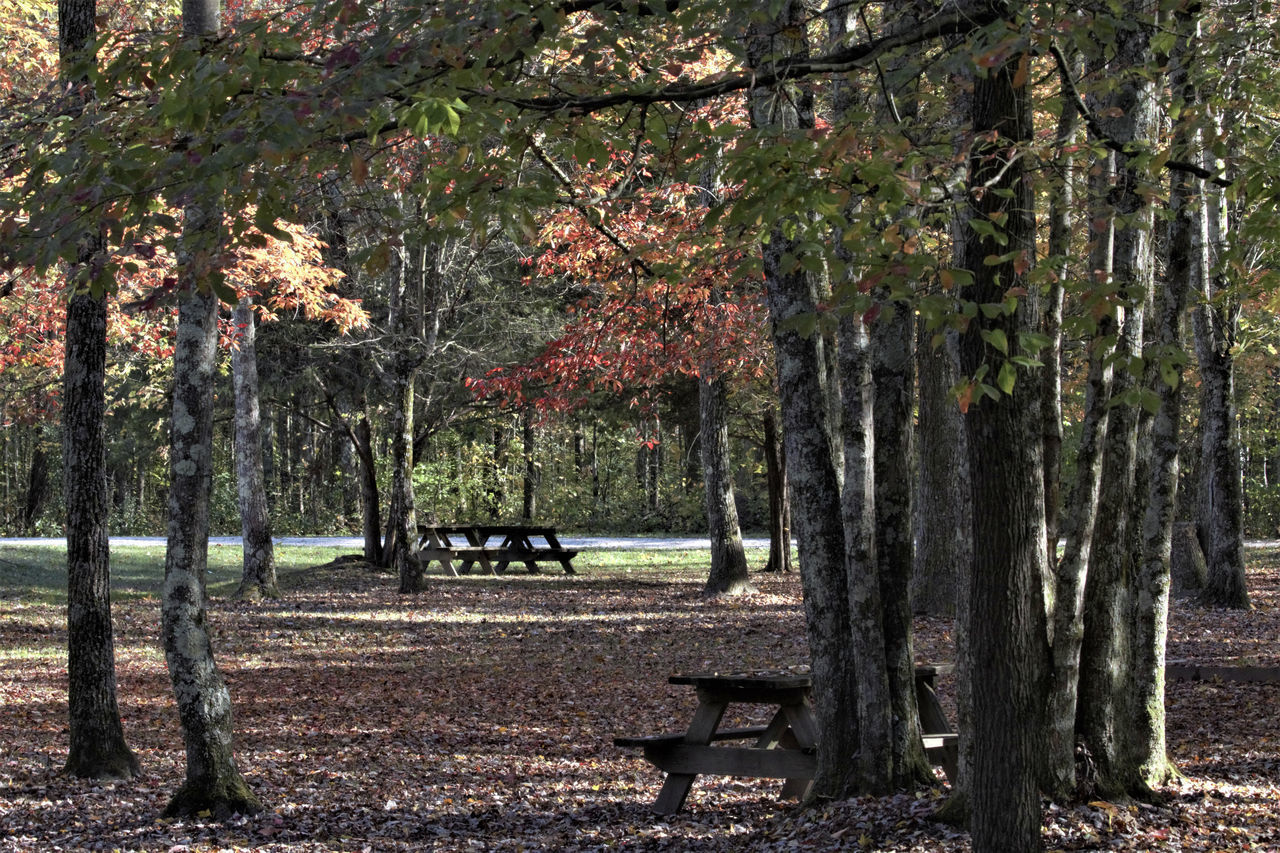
[
  {"x": 1080, "y": 515},
  {"x": 779, "y": 510},
  {"x": 97, "y": 747},
  {"x": 97, "y": 743},
  {"x": 1008, "y": 643},
  {"x": 728, "y": 559},
  {"x": 807, "y": 435},
  {"x": 893, "y": 383},
  {"x": 258, "y": 578},
  {"x": 213, "y": 782},
  {"x": 532, "y": 467},
  {"x": 1130, "y": 114},
  {"x": 941, "y": 503},
  {"x": 1220, "y": 505}
]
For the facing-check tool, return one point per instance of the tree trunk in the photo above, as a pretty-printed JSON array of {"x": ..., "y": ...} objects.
[
  {"x": 258, "y": 579},
  {"x": 213, "y": 782},
  {"x": 97, "y": 744},
  {"x": 496, "y": 494},
  {"x": 1104, "y": 715},
  {"x": 532, "y": 467},
  {"x": 878, "y": 751},
  {"x": 1220, "y": 505},
  {"x": 728, "y": 559},
  {"x": 370, "y": 501},
  {"x": 1184, "y": 270},
  {"x": 97, "y": 747},
  {"x": 1079, "y": 518},
  {"x": 893, "y": 381},
  {"x": 402, "y": 521},
  {"x": 1061, "y": 202},
  {"x": 37, "y": 488},
  {"x": 1008, "y": 643},
  {"x": 807, "y": 435},
  {"x": 776, "y": 479},
  {"x": 941, "y": 517}
]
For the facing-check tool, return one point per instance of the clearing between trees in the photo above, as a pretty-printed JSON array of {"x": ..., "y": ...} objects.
[{"x": 479, "y": 715}]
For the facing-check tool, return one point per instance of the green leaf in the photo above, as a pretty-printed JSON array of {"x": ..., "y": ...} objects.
[
  {"x": 1008, "y": 375},
  {"x": 997, "y": 339}
]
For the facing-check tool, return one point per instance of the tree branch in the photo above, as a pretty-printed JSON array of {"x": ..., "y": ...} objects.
[{"x": 1095, "y": 127}]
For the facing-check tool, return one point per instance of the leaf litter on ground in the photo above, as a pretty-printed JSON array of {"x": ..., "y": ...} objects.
[{"x": 479, "y": 715}]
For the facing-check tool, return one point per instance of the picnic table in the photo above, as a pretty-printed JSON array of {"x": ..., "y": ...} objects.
[
  {"x": 784, "y": 748},
  {"x": 471, "y": 543}
]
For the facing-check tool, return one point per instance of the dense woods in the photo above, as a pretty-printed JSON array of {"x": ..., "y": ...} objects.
[{"x": 976, "y": 281}]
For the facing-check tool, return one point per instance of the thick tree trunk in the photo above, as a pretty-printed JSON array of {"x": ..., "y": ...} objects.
[
  {"x": 1220, "y": 506},
  {"x": 258, "y": 578},
  {"x": 728, "y": 559},
  {"x": 941, "y": 515},
  {"x": 97, "y": 747},
  {"x": 1008, "y": 643},
  {"x": 893, "y": 383},
  {"x": 1104, "y": 714},
  {"x": 807, "y": 435},
  {"x": 97, "y": 744},
  {"x": 213, "y": 783}
]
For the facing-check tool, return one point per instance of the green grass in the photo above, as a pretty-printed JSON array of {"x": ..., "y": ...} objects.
[{"x": 38, "y": 574}]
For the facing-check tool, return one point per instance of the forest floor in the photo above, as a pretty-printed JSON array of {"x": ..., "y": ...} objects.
[{"x": 479, "y": 715}]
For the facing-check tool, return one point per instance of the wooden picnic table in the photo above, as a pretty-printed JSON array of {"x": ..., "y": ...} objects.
[
  {"x": 471, "y": 543},
  {"x": 784, "y": 748}
]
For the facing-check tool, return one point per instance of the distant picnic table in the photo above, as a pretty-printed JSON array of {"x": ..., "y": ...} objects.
[
  {"x": 493, "y": 546},
  {"x": 782, "y": 749}
]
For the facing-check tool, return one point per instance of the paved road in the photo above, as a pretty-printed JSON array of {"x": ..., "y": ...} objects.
[{"x": 606, "y": 543}]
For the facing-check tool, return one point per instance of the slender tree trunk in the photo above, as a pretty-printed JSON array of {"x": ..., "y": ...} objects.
[
  {"x": 893, "y": 381},
  {"x": 1008, "y": 642},
  {"x": 877, "y": 745},
  {"x": 1061, "y": 201},
  {"x": 1080, "y": 515},
  {"x": 258, "y": 579},
  {"x": 1186, "y": 267},
  {"x": 532, "y": 467},
  {"x": 97, "y": 744},
  {"x": 402, "y": 514},
  {"x": 728, "y": 559},
  {"x": 776, "y": 478}
]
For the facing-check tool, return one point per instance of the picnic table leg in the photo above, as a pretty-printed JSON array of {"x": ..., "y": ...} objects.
[
  {"x": 676, "y": 787},
  {"x": 779, "y": 734},
  {"x": 933, "y": 721},
  {"x": 565, "y": 562}
]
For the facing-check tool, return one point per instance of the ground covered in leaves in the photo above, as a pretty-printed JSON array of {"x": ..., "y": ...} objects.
[{"x": 479, "y": 716}]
